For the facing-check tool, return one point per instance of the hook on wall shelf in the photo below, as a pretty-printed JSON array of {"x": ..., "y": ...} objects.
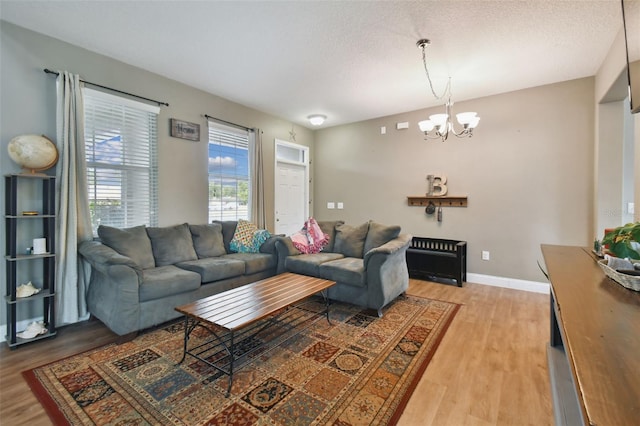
[{"x": 440, "y": 201}]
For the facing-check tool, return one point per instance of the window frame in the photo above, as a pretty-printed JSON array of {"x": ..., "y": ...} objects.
[
  {"x": 133, "y": 161},
  {"x": 234, "y": 207}
]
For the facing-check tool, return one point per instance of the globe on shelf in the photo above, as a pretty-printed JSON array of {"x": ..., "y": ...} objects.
[{"x": 34, "y": 153}]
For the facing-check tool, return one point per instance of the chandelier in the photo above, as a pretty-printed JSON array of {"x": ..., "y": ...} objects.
[{"x": 438, "y": 126}]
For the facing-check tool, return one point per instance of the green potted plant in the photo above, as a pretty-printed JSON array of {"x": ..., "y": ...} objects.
[{"x": 624, "y": 241}]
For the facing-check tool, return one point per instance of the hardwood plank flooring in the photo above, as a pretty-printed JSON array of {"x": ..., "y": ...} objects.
[{"x": 490, "y": 368}]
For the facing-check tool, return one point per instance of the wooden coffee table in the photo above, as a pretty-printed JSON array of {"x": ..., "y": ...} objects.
[{"x": 232, "y": 313}]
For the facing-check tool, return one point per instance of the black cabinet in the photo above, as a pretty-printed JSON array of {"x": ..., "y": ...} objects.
[{"x": 29, "y": 213}]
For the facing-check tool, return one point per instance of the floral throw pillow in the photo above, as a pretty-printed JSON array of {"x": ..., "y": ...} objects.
[{"x": 248, "y": 238}]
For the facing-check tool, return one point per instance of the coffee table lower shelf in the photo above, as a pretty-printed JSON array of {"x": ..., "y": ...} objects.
[{"x": 232, "y": 318}]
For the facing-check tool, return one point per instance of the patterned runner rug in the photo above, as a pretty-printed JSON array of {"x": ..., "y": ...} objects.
[{"x": 359, "y": 370}]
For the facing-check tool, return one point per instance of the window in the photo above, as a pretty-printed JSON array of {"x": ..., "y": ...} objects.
[
  {"x": 228, "y": 173},
  {"x": 120, "y": 143}
]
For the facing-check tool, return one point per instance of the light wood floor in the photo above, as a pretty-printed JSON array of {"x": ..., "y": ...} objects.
[{"x": 490, "y": 368}]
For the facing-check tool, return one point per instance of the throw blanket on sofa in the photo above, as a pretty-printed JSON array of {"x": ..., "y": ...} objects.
[{"x": 310, "y": 239}]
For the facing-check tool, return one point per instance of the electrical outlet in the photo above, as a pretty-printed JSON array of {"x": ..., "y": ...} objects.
[
  {"x": 331, "y": 205},
  {"x": 340, "y": 205},
  {"x": 486, "y": 255},
  {"x": 631, "y": 208}
]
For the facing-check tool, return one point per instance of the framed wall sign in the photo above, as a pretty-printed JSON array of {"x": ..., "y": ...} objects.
[{"x": 185, "y": 130}]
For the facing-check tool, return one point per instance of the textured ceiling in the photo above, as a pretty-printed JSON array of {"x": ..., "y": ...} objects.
[{"x": 349, "y": 60}]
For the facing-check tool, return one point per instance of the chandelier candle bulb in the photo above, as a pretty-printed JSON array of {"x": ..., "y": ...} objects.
[
  {"x": 466, "y": 118},
  {"x": 426, "y": 125}
]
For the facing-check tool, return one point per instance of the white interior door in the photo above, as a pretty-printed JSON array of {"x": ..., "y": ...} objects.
[{"x": 291, "y": 187}]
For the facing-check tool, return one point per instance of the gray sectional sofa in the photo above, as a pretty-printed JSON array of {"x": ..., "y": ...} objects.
[
  {"x": 367, "y": 262},
  {"x": 140, "y": 274}
]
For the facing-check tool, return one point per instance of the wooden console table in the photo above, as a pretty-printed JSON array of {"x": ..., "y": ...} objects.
[{"x": 594, "y": 352}]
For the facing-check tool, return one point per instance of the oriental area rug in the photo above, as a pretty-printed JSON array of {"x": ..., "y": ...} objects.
[{"x": 358, "y": 370}]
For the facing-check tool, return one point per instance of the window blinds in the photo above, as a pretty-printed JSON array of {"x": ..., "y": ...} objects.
[
  {"x": 121, "y": 153},
  {"x": 228, "y": 172}
]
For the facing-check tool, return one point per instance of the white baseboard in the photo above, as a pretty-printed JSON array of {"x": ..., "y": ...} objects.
[
  {"x": 20, "y": 325},
  {"x": 516, "y": 284},
  {"x": 513, "y": 283}
]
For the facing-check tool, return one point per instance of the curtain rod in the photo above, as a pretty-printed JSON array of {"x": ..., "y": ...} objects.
[
  {"x": 248, "y": 129},
  {"x": 48, "y": 71}
]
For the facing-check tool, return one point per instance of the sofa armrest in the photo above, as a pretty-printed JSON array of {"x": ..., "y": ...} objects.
[
  {"x": 269, "y": 246},
  {"x": 113, "y": 291},
  {"x": 285, "y": 248},
  {"x": 386, "y": 270},
  {"x": 398, "y": 244}
]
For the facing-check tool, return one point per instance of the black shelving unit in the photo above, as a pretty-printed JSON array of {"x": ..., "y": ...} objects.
[{"x": 18, "y": 224}]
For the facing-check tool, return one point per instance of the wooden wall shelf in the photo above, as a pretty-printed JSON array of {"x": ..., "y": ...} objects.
[{"x": 444, "y": 201}]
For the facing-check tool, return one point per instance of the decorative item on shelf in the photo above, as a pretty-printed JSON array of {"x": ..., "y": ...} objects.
[
  {"x": 39, "y": 246},
  {"x": 34, "y": 153},
  {"x": 26, "y": 290},
  {"x": 442, "y": 122},
  {"x": 430, "y": 185},
  {"x": 438, "y": 187},
  {"x": 34, "y": 329},
  {"x": 624, "y": 241}
]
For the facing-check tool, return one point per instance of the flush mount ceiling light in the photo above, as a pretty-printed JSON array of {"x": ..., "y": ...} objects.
[
  {"x": 317, "y": 119},
  {"x": 438, "y": 126}
]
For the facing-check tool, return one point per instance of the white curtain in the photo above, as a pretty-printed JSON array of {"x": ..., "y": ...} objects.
[
  {"x": 73, "y": 219},
  {"x": 258, "y": 214}
]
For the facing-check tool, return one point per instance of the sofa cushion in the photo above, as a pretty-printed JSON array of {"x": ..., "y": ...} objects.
[
  {"x": 379, "y": 234},
  {"x": 228, "y": 229},
  {"x": 172, "y": 244},
  {"x": 329, "y": 228},
  {"x": 165, "y": 281},
  {"x": 350, "y": 240},
  {"x": 307, "y": 264},
  {"x": 348, "y": 270},
  {"x": 214, "y": 268},
  {"x": 207, "y": 240},
  {"x": 254, "y": 262},
  {"x": 133, "y": 243}
]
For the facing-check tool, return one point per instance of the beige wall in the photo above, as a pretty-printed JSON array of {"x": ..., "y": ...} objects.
[
  {"x": 616, "y": 177},
  {"x": 28, "y": 106},
  {"x": 528, "y": 173}
]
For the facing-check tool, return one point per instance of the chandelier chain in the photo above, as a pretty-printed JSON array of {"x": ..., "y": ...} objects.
[{"x": 447, "y": 89}]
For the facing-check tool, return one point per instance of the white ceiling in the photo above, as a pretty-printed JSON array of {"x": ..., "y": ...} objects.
[{"x": 349, "y": 60}]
